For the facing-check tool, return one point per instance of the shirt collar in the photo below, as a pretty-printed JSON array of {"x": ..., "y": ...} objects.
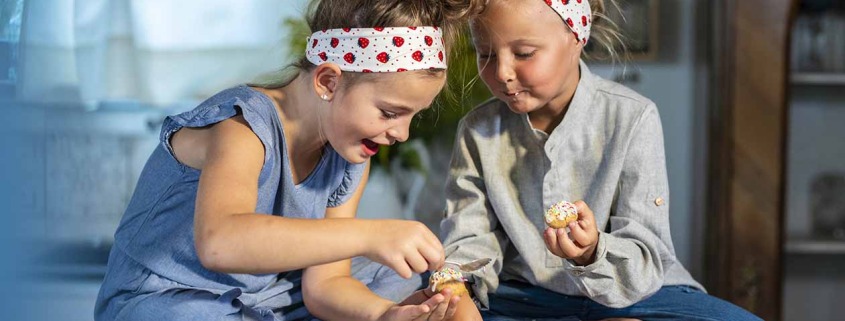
[{"x": 584, "y": 91}]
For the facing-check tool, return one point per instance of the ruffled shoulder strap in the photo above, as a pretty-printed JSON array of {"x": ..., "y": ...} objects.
[{"x": 256, "y": 108}]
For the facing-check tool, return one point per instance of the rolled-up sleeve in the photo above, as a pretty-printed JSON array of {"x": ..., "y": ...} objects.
[{"x": 631, "y": 259}]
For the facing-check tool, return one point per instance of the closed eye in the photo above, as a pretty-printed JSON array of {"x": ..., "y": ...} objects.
[
  {"x": 389, "y": 115},
  {"x": 525, "y": 55}
]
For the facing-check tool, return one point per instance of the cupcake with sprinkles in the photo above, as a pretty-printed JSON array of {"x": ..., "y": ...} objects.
[
  {"x": 561, "y": 214},
  {"x": 447, "y": 278}
]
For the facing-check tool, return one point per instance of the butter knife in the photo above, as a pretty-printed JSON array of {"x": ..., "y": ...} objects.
[{"x": 472, "y": 266}]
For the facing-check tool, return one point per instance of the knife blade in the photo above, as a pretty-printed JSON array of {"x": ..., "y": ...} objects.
[{"x": 472, "y": 266}]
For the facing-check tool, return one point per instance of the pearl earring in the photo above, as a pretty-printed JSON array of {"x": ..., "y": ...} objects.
[{"x": 324, "y": 97}]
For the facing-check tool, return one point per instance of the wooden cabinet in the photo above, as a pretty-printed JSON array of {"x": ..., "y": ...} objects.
[
  {"x": 747, "y": 153},
  {"x": 761, "y": 251}
]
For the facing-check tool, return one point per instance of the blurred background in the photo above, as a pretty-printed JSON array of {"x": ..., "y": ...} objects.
[{"x": 85, "y": 84}]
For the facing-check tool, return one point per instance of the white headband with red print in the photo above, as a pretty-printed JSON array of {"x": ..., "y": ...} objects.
[
  {"x": 576, "y": 14},
  {"x": 393, "y": 49}
]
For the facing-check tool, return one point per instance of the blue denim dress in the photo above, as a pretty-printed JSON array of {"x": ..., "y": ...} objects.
[{"x": 154, "y": 272}]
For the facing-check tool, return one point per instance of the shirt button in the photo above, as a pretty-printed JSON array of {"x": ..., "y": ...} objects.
[{"x": 658, "y": 201}]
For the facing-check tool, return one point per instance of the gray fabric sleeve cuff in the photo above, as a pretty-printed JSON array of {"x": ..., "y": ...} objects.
[{"x": 600, "y": 262}]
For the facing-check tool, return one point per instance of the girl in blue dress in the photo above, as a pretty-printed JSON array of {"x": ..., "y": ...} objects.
[{"x": 245, "y": 211}]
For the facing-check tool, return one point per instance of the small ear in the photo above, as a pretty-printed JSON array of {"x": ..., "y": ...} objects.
[
  {"x": 577, "y": 40},
  {"x": 579, "y": 45},
  {"x": 326, "y": 78}
]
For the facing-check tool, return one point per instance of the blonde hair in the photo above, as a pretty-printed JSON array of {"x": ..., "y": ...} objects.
[
  {"x": 605, "y": 34},
  {"x": 448, "y": 15}
]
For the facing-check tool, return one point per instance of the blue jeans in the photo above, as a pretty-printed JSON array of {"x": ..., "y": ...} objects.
[{"x": 520, "y": 301}]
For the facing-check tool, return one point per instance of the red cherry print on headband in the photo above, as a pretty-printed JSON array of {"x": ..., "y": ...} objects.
[
  {"x": 549, "y": 2},
  {"x": 440, "y": 55},
  {"x": 401, "y": 70},
  {"x": 584, "y": 21},
  {"x": 383, "y": 57},
  {"x": 334, "y": 42},
  {"x": 379, "y": 28},
  {"x": 349, "y": 57},
  {"x": 367, "y": 71},
  {"x": 398, "y": 41},
  {"x": 323, "y": 56},
  {"x": 412, "y": 28},
  {"x": 417, "y": 55},
  {"x": 348, "y": 29},
  {"x": 569, "y": 22},
  {"x": 579, "y": 1},
  {"x": 313, "y": 43},
  {"x": 428, "y": 40},
  {"x": 566, "y": 2},
  {"x": 363, "y": 42}
]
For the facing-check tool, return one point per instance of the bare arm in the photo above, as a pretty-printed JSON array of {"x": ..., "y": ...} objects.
[
  {"x": 231, "y": 238},
  {"x": 329, "y": 290},
  {"x": 332, "y": 294}
]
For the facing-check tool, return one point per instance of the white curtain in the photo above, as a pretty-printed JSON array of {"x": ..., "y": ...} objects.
[{"x": 156, "y": 52}]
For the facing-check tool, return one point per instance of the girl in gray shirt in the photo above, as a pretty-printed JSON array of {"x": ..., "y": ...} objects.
[{"x": 553, "y": 132}]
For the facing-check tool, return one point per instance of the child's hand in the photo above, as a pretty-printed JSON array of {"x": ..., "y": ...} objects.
[
  {"x": 440, "y": 306},
  {"x": 405, "y": 246},
  {"x": 580, "y": 244}
]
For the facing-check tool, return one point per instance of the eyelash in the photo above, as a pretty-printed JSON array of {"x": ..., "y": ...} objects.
[
  {"x": 389, "y": 115},
  {"x": 518, "y": 55},
  {"x": 526, "y": 55}
]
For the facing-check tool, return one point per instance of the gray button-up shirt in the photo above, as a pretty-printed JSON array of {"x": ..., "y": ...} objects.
[{"x": 607, "y": 151}]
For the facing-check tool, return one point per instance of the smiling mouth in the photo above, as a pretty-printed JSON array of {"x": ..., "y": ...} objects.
[
  {"x": 512, "y": 94},
  {"x": 370, "y": 147}
]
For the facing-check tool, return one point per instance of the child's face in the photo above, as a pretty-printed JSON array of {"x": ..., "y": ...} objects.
[
  {"x": 526, "y": 55},
  {"x": 377, "y": 112}
]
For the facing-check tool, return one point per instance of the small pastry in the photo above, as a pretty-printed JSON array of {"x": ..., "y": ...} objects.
[
  {"x": 561, "y": 214},
  {"x": 447, "y": 278}
]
